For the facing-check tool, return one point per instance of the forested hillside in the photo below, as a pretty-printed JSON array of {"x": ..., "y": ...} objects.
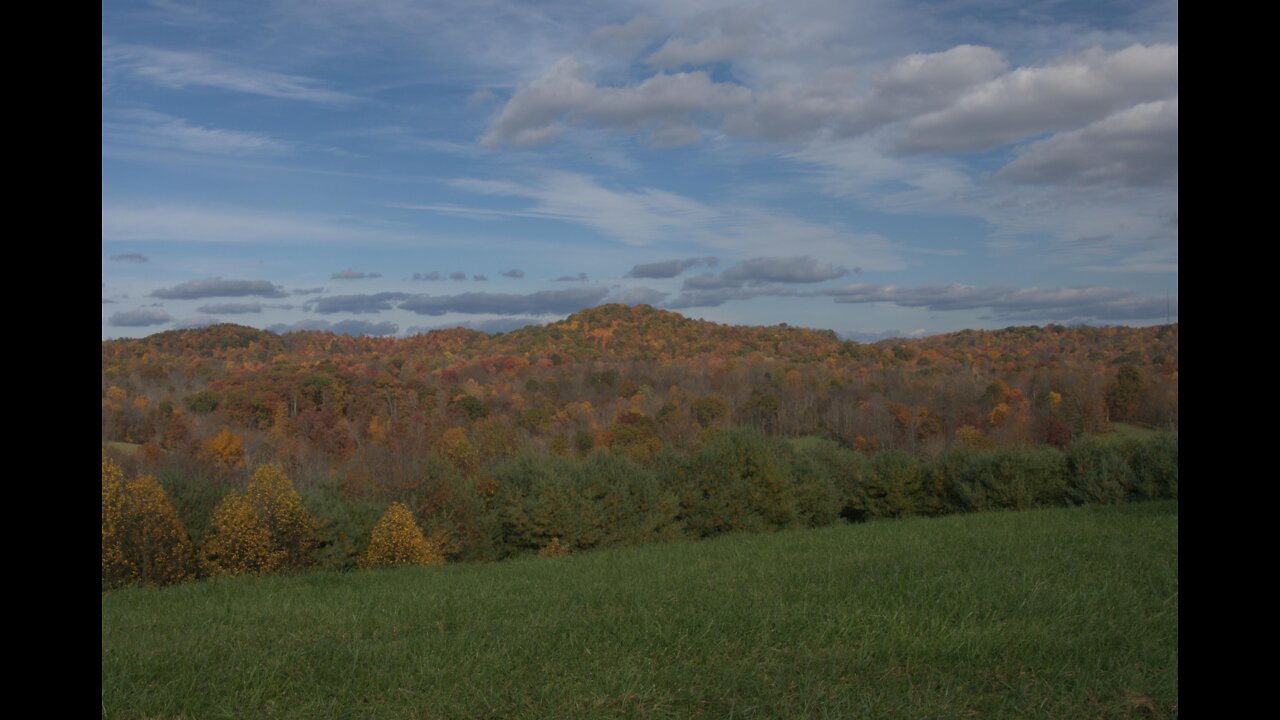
[
  {"x": 632, "y": 377},
  {"x": 617, "y": 425}
]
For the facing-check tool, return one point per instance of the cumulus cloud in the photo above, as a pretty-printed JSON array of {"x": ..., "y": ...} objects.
[
  {"x": 960, "y": 99},
  {"x": 1135, "y": 147},
  {"x": 639, "y": 296},
  {"x": 218, "y": 287},
  {"x": 910, "y": 86},
  {"x": 479, "y": 278},
  {"x": 230, "y": 308},
  {"x": 141, "y": 317},
  {"x": 669, "y": 268},
  {"x": 535, "y": 111},
  {"x": 373, "y": 303},
  {"x": 343, "y": 327},
  {"x": 457, "y": 276},
  {"x": 350, "y": 274},
  {"x": 783, "y": 270},
  {"x": 517, "y": 274},
  {"x": 1060, "y": 95},
  {"x": 429, "y": 277},
  {"x": 546, "y": 302},
  {"x": 108, "y": 302},
  {"x": 580, "y": 277},
  {"x": 306, "y": 291},
  {"x": 1100, "y": 303},
  {"x": 129, "y": 257}
]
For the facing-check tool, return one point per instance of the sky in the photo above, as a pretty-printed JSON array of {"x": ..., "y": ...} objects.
[{"x": 880, "y": 169}]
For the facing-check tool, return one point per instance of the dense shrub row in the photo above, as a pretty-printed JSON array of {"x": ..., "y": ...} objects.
[{"x": 738, "y": 480}]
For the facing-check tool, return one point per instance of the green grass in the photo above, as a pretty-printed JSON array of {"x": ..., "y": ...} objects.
[
  {"x": 123, "y": 448},
  {"x": 1063, "y": 613},
  {"x": 807, "y": 442},
  {"x": 1125, "y": 431}
]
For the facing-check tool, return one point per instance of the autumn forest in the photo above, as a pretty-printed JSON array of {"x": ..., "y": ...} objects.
[{"x": 618, "y": 425}]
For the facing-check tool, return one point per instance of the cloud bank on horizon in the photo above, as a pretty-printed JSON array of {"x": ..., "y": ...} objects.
[{"x": 860, "y": 166}]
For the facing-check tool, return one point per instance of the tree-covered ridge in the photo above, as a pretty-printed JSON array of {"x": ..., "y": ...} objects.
[{"x": 635, "y": 378}]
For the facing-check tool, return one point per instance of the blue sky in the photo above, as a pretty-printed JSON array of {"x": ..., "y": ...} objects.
[{"x": 875, "y": 168}]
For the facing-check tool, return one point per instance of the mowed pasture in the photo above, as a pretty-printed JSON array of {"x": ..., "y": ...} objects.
[{"x": 1055, "y": 613}]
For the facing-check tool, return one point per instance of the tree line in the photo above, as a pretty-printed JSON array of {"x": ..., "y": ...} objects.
[{"x": 182, "y": 527}]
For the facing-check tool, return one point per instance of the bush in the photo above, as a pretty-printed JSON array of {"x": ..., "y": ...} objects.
[
  {"x": 397, "y": 540},
  {"x": 1099, "y": 474},
  {"x": 1009, "y": 478},
  {"x": 888, "y": 487},
  {"x": 815, "y": 470},
  {"x": 143, "y": 541},
  {"x": 735, "y": 482},
  {"x": 1154, "y": 461}
]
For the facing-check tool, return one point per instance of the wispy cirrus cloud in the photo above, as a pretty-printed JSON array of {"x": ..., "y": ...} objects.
[
  {"x": 145, "y": 128},
  {"x": 180, "y": 69},
  {"x": 218, "y": 224},
  {"x": 1091, "y": 302},
  {"x": 649, "y": 215}
]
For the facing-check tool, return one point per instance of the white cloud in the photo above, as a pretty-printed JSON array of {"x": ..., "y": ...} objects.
[
  {"x": 649, "y": 216},
  {"x": 152, "y": 129},
  {"x": 661, "y": 103},
  {"x": 186, "y": 223},
  {"x": 1062, "y": 94},
  {"x": 182, "y": 69},
  {"x": 1098, "y": 303},
  {"x": 628, "y": 38},
  {"x": 1137, "y": 146}
]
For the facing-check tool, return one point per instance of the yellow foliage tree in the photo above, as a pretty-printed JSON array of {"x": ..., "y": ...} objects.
[
  {"x": 113, "y": 562},
  {"x": 264, "y": 529},
  {"x": 460, "y": 451},
  {"x": 292, "y": 527},
  {"x": 226, "y": 449},
  {"x": 397, "y": 540},
  {"x": 239, "y": 541},
  {"x": 143, "y": 541},
  {"x": 555, "y": 548}
]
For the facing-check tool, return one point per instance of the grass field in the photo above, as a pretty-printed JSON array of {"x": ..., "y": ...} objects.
[{"x": 1063, "y": 613}]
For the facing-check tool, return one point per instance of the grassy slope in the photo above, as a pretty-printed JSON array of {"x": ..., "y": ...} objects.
[{"x": 1068, "y": 613}]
